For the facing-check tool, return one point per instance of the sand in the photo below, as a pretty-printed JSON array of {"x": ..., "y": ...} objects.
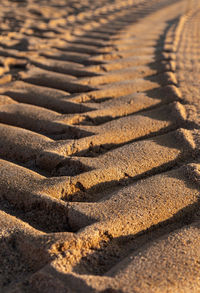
[{"x": 99, "y": 146}]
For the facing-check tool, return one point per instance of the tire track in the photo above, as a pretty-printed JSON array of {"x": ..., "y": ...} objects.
[{"x": 99, "y": 147}]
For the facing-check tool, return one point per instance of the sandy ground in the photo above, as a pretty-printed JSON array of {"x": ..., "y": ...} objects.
[{"x": 99, "y": 146}]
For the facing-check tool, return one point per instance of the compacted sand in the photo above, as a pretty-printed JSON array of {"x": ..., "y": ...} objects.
[{"x": 99, "y": 146}]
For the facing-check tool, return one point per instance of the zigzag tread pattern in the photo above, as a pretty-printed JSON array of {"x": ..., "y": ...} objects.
[{"x": 99, "y": 146}]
